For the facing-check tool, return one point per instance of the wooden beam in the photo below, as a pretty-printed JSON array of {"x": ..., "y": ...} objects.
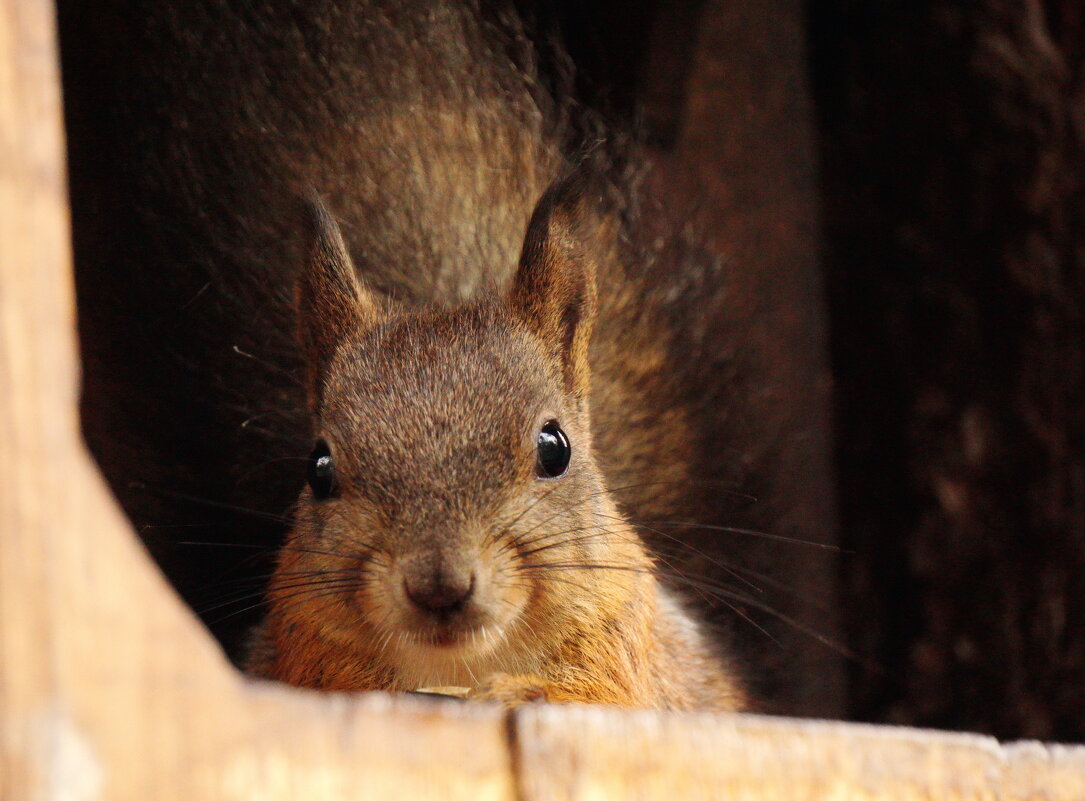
[{"x": 595, "y": 754}]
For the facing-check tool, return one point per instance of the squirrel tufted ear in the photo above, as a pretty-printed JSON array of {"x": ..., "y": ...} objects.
[
  {"x": 332, "y": 302},
  {"x": 554, "y": 290}
]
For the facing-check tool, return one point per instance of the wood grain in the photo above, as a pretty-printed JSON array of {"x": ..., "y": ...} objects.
[
  {"x": 587, "y": 754},
  {"x": 109, "y": 689}
]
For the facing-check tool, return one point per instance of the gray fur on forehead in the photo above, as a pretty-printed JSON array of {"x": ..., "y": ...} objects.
[{"x": 433, "y": 387}]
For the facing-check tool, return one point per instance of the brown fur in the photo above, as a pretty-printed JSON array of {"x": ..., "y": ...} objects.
[{"x": 431, "y": 416}]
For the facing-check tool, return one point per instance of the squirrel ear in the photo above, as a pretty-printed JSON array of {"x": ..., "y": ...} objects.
[
  {"x": 332, "y": 302},
  {"x": 554, "y": 289}
]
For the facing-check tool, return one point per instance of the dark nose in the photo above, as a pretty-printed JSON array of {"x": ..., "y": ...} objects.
[{"x": 439, "y": 593}]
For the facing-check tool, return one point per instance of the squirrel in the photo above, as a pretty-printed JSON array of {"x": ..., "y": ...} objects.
[
  {"x": 457, "y": 529},
  {"x": 449, "y": 361}
]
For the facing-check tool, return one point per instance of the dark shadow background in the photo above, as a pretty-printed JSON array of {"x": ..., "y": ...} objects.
[{"x": 952, "y": 148}]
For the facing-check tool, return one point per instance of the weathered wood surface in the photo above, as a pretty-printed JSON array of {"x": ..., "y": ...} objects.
[
  {"x": 109, "y": 689},
  {"x": 601, "y": 754}
]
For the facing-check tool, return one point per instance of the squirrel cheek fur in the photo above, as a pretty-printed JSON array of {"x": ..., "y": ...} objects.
[{"x": 443, "y": 558}]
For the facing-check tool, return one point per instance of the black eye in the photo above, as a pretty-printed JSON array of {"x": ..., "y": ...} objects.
[
  {"x": 554, "y": 451},
  {"x": 321, "y": 471}
]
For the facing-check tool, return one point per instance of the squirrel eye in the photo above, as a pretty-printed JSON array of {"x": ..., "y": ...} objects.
[
  {"x": 321, "y": 471},
  {"x": 554, "y": 451}
]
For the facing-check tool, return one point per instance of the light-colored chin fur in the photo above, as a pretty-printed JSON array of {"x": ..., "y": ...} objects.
[{"x": 465, "y": 663}]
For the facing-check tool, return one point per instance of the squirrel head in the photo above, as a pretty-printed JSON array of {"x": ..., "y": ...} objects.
[{"x": 452, "y": 492}]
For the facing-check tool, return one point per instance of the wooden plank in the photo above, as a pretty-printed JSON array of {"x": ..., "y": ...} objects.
[{"x": 585, "y": 754}]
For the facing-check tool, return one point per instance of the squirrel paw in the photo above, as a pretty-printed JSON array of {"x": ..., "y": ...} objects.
[{"x": 513, "y": 690}]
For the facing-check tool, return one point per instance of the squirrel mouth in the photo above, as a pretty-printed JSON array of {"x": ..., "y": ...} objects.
[
  {"x": 456, "y": 638},
  {"x": 445, "y": 639}
]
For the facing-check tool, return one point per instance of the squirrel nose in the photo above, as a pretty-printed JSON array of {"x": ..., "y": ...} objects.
[{"x": 439, "y": 593}]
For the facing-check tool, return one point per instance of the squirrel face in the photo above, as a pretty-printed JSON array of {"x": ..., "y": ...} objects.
[
  {"x": 452, "y": 491},
  {"x": 432, "y": 426}
]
